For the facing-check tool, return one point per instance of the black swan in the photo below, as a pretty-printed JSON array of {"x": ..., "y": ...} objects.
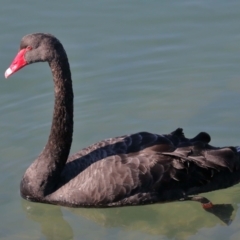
[{"x": 140, "y": 168}]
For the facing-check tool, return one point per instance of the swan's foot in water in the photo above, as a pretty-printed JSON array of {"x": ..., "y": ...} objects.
[{"x": 206, "y": 204}]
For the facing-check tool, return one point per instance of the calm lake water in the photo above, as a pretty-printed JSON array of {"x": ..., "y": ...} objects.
[{"x": 136, "y": 65}]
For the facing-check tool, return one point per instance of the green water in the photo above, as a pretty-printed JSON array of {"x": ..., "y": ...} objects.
[{"x": 136, "y": 65}]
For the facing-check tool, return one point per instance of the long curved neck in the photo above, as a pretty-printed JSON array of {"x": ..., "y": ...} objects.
[
  {"x": 42, "y": 177},
  {"x": 60, "y": 138}
]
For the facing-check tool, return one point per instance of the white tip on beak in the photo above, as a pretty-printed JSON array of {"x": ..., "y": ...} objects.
[{"x": 8, "y": 72}]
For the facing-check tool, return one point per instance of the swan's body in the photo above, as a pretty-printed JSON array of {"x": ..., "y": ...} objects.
[{"x": 134, "y": 169}]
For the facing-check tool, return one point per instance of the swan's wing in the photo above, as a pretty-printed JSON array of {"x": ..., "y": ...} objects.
[
  {"x": 145, "y": 142},
  {"x": 127, "y": 144},
  {"x": 188, "y": 167},
  {"x": 113, "y": 179},
  {"x": 204, "y": 168},
  {"x": 169, "y": 165}
]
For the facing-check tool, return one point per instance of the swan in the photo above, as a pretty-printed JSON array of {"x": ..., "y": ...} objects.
[{"x": 134, "y": 169}]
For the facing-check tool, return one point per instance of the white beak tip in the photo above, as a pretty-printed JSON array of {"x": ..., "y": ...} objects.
[{"x": 8, "y": 72}]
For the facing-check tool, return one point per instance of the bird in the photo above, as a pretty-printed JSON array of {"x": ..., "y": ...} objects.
[{"x": 134, "y": 169}]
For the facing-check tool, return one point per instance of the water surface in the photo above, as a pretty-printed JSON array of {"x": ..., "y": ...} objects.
[{"x": 138, "y": 65}]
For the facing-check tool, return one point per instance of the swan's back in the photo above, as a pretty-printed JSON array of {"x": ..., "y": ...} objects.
[{"x": 144, "y": 168}]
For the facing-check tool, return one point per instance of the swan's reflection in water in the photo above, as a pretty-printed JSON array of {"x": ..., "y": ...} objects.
[
  {"x": 50, "y": 218},
  {"x": 170, "y": 220}
]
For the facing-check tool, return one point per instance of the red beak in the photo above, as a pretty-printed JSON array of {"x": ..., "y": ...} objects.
[{"x": 18, "y": 63}]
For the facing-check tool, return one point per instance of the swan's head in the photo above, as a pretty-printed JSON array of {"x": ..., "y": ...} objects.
[{"x": 37, "y": 47}]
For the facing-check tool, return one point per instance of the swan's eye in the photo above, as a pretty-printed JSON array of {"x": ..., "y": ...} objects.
[{"x": 28, "y": 48}]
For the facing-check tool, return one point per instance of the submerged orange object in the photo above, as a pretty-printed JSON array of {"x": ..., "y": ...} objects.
[{"x": 207, "y": 205}]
